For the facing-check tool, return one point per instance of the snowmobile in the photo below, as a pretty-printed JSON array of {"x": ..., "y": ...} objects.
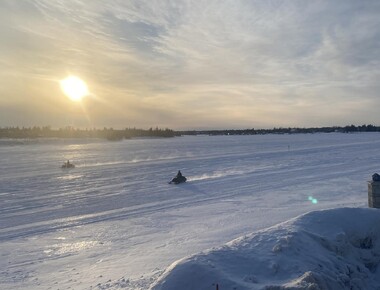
[
  {"x": 178, "y": 179},
  {"x": 67, "y": 165}
]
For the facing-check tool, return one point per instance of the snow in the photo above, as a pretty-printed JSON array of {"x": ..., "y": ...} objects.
[
  {"x": 294, "y": 207},
  {"x": 331, "y": 249}
]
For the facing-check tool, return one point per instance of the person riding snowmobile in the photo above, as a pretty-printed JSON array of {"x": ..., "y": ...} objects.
[{"x": 179, "y": 178}]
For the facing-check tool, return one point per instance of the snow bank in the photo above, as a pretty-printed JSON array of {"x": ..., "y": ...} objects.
[{"x": 331, "y": 249}]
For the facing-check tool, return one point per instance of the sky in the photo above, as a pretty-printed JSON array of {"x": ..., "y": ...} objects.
[{"x": 190, "y": 64}]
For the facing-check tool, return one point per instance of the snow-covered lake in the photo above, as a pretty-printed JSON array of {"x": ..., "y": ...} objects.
[{"x": 114, "y": 222}]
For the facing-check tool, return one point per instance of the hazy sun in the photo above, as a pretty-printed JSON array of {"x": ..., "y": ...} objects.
[{"x": 74, "y": 88}]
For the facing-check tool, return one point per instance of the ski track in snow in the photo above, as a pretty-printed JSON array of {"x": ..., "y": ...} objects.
[{"x": 118, "y": 183}]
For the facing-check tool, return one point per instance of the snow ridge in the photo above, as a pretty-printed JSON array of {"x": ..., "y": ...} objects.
[{"x": 330, "y": 249}]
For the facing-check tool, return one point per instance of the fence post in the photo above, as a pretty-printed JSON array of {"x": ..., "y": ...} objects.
[{"x": 374, "y": 191}]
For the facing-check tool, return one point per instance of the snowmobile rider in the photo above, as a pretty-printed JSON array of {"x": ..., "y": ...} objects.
[{"x": 179, "y": 174}]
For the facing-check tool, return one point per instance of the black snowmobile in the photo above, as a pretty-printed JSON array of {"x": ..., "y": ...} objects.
[
  {"x": 178, "y": 179},
  {"x": 67, "y": 165}
]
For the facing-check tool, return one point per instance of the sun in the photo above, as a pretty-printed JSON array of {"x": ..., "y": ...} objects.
[{"x": 74, "y": 88}]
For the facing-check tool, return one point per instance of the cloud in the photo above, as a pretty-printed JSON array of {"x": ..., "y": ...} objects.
[{"x": 197, "y": 63}]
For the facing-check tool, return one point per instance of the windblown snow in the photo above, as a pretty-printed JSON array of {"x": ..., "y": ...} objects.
[{"x": 294, "y": 206}]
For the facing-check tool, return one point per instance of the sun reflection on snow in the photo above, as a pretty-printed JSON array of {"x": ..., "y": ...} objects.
[
  {"x": 69, "y": 248},
  {"x": 70, "y": 177},
  {"x": 76, "y": 146}
]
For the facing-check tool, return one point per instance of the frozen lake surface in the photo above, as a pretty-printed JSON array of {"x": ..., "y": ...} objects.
[{"x": 114, "y": 222}]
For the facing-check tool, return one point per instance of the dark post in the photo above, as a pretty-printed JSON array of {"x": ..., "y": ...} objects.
[{"x": 374, "y": 191}]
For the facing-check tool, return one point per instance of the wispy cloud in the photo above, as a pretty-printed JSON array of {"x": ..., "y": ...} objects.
[{"x": 193, "y": 64}]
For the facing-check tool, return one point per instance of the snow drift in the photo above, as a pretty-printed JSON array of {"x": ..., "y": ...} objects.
[{"x": 331, "y": 249}]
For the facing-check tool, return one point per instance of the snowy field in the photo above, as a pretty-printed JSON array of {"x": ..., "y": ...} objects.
[{"x": 114, "y": 222}]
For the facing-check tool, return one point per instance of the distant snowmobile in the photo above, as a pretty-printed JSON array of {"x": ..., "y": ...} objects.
[
  {"x": 178, "y": 179},
  {"x": 67, "y": 164}
]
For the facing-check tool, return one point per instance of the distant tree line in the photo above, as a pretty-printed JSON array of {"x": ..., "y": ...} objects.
[
  {"x": 345, "y": 129},
  {"x": 119, "y": 134},
  {"x": 71, "y": 132}
]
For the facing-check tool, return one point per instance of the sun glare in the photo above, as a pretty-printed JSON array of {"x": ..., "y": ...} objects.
[{"x": 74, "y": 88}]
